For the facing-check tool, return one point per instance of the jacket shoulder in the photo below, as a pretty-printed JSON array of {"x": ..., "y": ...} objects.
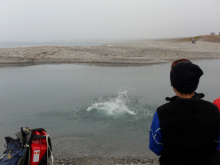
[{"x": 181, "y": 106}]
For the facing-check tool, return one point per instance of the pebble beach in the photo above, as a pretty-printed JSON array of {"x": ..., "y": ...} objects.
[
  {"x": 105, "y": 161},
  {"x": 149, "y": 52}
]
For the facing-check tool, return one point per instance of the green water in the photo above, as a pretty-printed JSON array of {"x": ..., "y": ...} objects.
[{"x": 91, "y": 110}]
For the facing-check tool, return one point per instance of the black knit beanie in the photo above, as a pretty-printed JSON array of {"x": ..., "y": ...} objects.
[{"x": 184, "y": 77}]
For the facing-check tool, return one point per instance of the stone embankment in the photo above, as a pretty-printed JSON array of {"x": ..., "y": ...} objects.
[{"x": 132, "y": 53}]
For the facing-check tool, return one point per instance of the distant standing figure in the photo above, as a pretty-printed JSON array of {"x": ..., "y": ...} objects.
[{"x": 193, "y": 41}]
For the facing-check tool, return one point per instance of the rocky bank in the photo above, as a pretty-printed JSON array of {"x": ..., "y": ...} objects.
[{"x": 129, "y": 53}]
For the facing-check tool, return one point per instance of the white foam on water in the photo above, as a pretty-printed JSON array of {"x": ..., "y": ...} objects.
[{"x": 114, "y": 106}]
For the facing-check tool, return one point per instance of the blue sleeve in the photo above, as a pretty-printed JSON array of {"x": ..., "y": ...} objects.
[
  {"x": 156, "y": 143},
  {"x": 218, "y": 142}
]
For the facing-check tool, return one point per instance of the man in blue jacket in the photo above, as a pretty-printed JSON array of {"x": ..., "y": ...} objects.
[{"x": 185, "y": 131}]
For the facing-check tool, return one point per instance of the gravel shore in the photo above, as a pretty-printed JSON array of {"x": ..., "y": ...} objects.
[
  {"x": 133, "y": 53},
  {"x": 104, "y": 161}
]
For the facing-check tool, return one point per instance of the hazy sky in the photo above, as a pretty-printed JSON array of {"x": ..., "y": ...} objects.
[{"x": 68, "y": 20}]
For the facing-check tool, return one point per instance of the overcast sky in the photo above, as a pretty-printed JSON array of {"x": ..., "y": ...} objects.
[{"x": 68, "y": 20}]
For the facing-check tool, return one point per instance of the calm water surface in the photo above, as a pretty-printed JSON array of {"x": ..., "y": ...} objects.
[{"x": 91, "y": 110}]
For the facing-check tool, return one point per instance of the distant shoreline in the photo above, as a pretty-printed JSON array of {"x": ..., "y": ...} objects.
[{"x": 141, "y": 53}]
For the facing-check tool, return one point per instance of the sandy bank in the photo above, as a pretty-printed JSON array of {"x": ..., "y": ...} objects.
[{"x": 133, "y": 53}]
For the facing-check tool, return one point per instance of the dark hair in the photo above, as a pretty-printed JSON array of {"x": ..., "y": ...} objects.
[{"x": 184, "y": 93}]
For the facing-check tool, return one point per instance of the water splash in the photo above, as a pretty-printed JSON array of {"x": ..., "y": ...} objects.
[{"x": 114, "y": 106}]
